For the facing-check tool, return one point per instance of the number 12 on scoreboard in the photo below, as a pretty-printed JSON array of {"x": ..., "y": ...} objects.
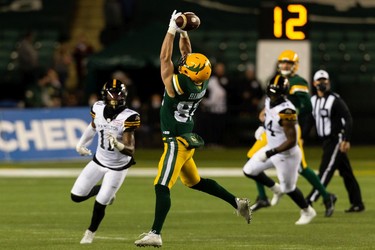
[{"x": 295, "y": 16}]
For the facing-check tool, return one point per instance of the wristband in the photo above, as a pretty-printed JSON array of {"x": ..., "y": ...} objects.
[{"x": 271, "y": 152}]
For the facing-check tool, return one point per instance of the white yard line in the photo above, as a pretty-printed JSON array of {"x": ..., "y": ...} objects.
[{"x": 142, "y": 172}]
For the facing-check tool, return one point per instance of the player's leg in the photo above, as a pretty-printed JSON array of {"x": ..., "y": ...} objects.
[
  {"x": 327, "y": 168},
  {"x": 262, "y": 199},
  {"x": 351, "y": 184},
  {"x": 85, "y": 184},
  {"x": 287, "y": 173}
]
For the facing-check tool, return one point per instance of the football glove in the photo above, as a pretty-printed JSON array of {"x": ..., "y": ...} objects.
[
  {"x": 258, "y": 133},
  {"x": 83, "y": 151},
  {"x": 172, "y": 23},
  {"x": 114, "y": 143}
]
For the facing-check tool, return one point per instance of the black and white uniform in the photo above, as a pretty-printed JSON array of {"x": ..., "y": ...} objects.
[
  {"x": 333, "y": 123},
  {"x": 108, "y": 163},
  {"x": 287, "y": 162}
]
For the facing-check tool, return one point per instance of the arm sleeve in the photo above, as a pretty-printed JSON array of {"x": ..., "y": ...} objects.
[{"x": 87, "y": 136}]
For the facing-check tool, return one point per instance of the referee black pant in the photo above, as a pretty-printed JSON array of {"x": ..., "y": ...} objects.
[{"x": 333, "y": 159}]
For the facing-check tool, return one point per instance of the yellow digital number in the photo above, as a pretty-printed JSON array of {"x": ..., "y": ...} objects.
[
  {"x": 296, "y": 22},
  {"x": 290, "y": 23},
  {"x": 277, "y": 22}
]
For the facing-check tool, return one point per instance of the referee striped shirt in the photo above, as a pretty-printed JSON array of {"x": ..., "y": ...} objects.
[{"x": 332, "y": 116}]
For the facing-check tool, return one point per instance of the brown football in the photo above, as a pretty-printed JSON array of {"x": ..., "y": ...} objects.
[{"x": 188, "y": 21}]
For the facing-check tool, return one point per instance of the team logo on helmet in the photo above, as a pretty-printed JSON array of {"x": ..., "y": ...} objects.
[
  {"x": 196, "y": 66},
  {"x": 291, "y": 58}
]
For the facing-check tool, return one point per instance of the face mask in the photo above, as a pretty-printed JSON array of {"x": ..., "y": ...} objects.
[{"x": 321, "y": 87}]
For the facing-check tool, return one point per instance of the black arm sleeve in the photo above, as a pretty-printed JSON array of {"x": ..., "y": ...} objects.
[{"x": 308, "y": 124}]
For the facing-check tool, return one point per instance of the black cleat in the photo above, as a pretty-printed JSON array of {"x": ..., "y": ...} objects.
[
  {"x": 260, "y": 203},
  {"x": 330, "y": 205},
  {"x": 355, "y": 209}
]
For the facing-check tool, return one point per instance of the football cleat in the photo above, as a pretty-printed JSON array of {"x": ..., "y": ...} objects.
[
  {"x": 307, "y": 215},
  {"x": 260, "y": 203},
  {"x": 355, "y": 209},
  {"x": 277, "y": 194},
  {"x": 88, "y": 237},
  {"x": 243, "y": 209},
  {"x": 149, "y": 239},
  {"x": 330, "y": 205}
]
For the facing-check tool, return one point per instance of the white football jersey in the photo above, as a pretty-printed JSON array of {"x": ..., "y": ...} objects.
[
  {"x": 275, "y": 132},
  {"x": 126, "y": 120}
]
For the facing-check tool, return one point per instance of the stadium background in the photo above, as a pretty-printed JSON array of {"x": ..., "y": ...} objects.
[{"x": 341, "y": 36}]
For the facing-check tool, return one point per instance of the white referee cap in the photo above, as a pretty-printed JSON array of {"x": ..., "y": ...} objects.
[{"x": 321, "y": 74}]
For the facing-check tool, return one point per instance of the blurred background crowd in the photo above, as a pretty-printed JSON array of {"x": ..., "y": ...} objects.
[{"x": 56, "y": 54}]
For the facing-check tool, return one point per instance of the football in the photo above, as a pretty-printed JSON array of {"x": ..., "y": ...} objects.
[{"x": 188, "y": 21}]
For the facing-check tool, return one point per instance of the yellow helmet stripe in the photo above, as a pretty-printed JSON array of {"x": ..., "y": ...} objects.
[{"x": 114, "y": 83}]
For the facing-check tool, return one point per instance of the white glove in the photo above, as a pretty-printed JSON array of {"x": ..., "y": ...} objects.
[
  {"x": 258, "y": 133},
  {"x": 172, "y": 23},
  {"x": 263, "y": 156},
  {"x": 82, "y": 150},
  {"x": 114, "y": 143}
]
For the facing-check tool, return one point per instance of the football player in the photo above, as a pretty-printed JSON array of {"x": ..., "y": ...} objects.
[
  {"x": 115, "y": 125},
  {"x": 281, "y": 150},
  {"x": 182, "y": 95},
  {"x": 298, "y": 94}
]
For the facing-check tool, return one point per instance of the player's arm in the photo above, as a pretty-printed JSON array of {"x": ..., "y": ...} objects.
[
  {"x": 288, "y": 120},
  {"x": 166, "y": 64},
  {"x": 127, "y": 144}
]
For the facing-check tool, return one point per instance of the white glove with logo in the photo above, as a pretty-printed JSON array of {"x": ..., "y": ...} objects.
[
  {"x": 82, "y": 150},
  {"x": 258, "y": 133},
  {"x": 114, "y": 143}
]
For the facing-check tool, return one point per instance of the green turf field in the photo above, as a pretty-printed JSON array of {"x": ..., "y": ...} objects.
[{"x": 36, "y": 213}]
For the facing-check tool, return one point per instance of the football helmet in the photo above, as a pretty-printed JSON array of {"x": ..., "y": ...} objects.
[
  {"x": 114, "y": 94},
  {"x": 196, "y": 66},
  {"x": 278, "y": 86},
  {"x": 288, "y": 62}
]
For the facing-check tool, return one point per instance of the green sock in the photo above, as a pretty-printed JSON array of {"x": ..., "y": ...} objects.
[
  {"x": 162, "y": 206},
  {"x": 314, "y": 180},
  {"x": 261, "y": 191},
  {"x": 211, "y": 187}
]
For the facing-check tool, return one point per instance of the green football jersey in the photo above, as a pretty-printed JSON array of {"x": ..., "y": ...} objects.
[
  {"x": 299, "y": 95},
  {"x": 176, "y": 114}
]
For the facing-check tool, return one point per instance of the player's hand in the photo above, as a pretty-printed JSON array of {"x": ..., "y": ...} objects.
[
  {"x": 262, "y": 157},
  {"x": 172, "y": 22},
  {"x": 258, "y": 133},
  {"x": 114, "y": 143},
  {"x": 112, "y": 140},
  {"x": 83, "y": 151}
]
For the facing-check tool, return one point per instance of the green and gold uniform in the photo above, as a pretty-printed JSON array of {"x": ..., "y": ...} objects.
[{"x": 176, "y": 119}]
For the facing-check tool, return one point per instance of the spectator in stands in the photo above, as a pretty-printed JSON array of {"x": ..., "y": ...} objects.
[
  {"x": 45, "y": 92},
  {"x": 214, "y": 106},
  {"x": 62, "y": 61},
  {"x": 28, "y": 59},
  {"x": 82, "y": 50},
  {"x": 251, "y": 92}
]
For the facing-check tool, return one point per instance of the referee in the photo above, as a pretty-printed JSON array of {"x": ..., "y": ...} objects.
[{"x": 333, "y": 123}]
